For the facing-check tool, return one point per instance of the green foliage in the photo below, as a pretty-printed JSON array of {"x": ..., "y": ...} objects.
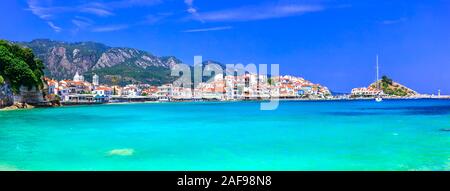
[
  {"x": 2, "y": 81},
  {"x": 19, "y": 67},
  {"x": 388, "y": 87},
  {"x": 400, "y": 92},
  {"x": 386, "y": 81}
]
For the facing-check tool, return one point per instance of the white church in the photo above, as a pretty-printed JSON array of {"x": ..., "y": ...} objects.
[{"x": 80, "y": 78}]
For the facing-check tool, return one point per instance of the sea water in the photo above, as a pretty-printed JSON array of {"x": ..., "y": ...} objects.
[{"x": 299, "y": 135}]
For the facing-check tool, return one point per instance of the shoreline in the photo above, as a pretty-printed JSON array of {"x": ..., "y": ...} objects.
[{"x": 31, "y": 106}]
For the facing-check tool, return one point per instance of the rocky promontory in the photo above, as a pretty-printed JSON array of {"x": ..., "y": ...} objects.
[{"x": 392, "y": 88}]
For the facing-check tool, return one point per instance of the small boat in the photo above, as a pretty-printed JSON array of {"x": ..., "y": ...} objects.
[{"x": 379, "y": 99}]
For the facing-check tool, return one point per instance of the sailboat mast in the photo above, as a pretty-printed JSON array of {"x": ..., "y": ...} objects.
[
  {"x": 378, "y": 75},
  {"x": 378, "y": 98}
]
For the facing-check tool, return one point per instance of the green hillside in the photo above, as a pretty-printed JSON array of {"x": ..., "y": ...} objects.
[
  {"x": 392, "y": 88},
  {"x": 19, "y": 67}
]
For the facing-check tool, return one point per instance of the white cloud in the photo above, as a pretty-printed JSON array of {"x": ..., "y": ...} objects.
[
  {"x": 82, "y": 22},
  {"x": 261, "y": 12},
  {"x": 96, "y": 11},
  {"x": 54, "y": 27},
  {"x": 209, "y": 29},
  {"x": 109, "y": 28},
  {"x": 40, "y": 12},
  {"x": 395, "y": 21},
  {"x": 48, "y": 12},
  {"x": 44, "y": 11},
  {"x": 192, "y": 10},
  {"x": 131, "y": 3},
  {"x": 190, "y": 5}
]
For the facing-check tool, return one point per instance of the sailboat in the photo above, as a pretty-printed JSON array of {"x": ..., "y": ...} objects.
[{"x": 378, "y": 98}]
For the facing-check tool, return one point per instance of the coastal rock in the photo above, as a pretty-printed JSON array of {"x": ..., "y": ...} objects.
[
  {"x": 19, "y": 106},
  {"x": 26, "y": 99},
  {"x": 27, "y": 95}
]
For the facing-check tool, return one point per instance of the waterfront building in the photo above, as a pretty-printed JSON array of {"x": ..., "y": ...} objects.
[
  {"x": 130, "y": 91},
  {"x": 150, "y": 91},
  {"x": 103, "y": 91},
  {"x": 79, "y": 87},
  {"x": 165, "y": 91},
  {"x": 180, "y": 93},
  {"x": 366, "y": 92},
  {"x": 52, "y": 87},
  {"x": 63, "y": 91},
  {"x": 80, "y": 98}
]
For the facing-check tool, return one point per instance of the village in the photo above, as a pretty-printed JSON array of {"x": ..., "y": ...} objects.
[{"x": 220, "y": 88}]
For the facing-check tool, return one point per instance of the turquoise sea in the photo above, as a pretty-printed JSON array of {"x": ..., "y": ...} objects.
[{"x": 299, "y": 135}]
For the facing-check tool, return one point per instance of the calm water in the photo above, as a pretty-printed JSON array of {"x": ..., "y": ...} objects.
[{"x": 335, "y": 135}]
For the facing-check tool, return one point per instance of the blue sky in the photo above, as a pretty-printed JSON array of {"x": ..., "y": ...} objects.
[{"x": 327, "y": 41}]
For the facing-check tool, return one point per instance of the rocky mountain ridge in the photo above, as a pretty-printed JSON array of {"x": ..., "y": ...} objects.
[{"x": 63, "y": 60}]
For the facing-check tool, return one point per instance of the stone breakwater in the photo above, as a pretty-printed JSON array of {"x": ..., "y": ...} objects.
[{"x": 19, "y": 106}]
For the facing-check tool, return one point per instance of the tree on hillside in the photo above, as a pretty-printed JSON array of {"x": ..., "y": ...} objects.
[
  {"x": 270, "y": 81},
  {"x": 19, "y": 67},
  {"x": 386, "y": 80}
]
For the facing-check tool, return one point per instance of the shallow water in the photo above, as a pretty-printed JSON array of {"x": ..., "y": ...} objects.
[{"x": 322, "y": 135}]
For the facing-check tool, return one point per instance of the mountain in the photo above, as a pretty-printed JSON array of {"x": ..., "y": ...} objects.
[
  {"x": 392, "y": 88},
  {"x": 114, "y": 65}
]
